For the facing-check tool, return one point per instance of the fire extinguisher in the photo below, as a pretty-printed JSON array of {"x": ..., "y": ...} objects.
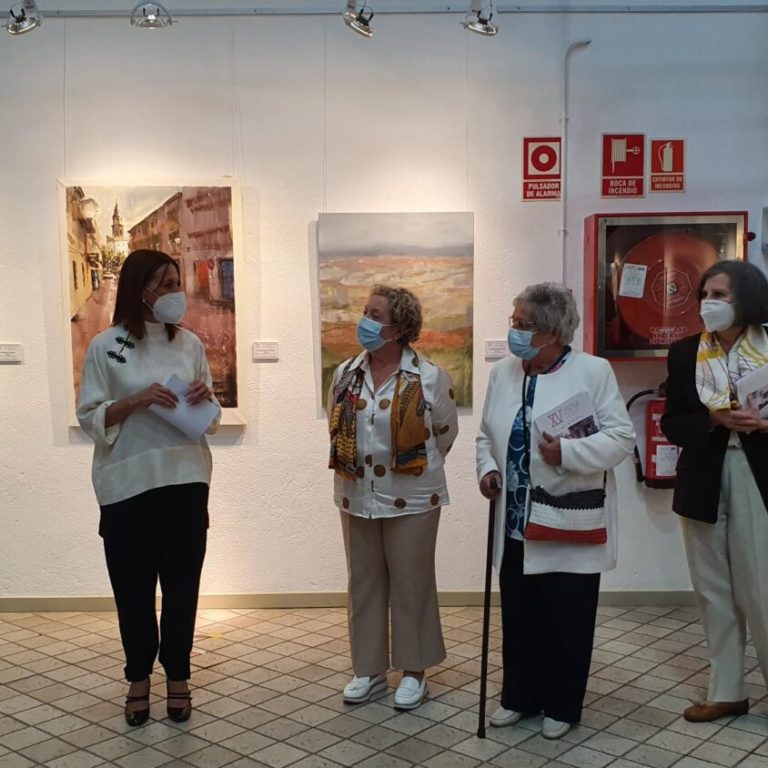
[{"x": 660, "y": 454}]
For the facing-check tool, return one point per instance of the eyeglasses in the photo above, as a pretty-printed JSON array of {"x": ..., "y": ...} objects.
[{"x": 519, "y": 325}]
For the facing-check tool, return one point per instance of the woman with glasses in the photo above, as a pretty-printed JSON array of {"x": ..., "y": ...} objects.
[
  {"x": 151, "y": 480},
  {"x": 549, "y": 589}
]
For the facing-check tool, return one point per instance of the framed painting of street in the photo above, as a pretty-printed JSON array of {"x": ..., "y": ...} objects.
[{"x": 196, "y": 225}]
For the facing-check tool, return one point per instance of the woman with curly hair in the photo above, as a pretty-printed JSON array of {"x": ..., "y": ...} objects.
[{"x": 392, "y": 419}]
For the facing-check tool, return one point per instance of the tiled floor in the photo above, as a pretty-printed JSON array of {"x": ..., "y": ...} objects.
[{"x": 266, "y": 691}]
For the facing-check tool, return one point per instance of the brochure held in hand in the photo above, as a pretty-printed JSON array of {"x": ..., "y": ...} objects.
[
  {"x": 754, "y": 384},
  {"x": 573, "y": 418},
  {"x": 192, "y": 420}
]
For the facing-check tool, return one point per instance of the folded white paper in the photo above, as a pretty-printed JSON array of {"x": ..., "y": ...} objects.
[
  {"x": 754, "y": 383},
  {"x": 192, "y": 420},
  {"x": 574, "y": 417}
]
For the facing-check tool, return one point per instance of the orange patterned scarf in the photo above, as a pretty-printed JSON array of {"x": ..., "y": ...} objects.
[{"x": 409, "y": 431}]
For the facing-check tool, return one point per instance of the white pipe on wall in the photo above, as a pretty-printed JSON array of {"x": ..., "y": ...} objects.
[{"x": 564, "y": 155}]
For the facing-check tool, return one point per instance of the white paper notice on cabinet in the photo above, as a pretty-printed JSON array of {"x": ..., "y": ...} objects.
[
  {"x": 633, "y": 280},
  {"x": 666, "y": 460},
  {"x": 192, "y": 420}
]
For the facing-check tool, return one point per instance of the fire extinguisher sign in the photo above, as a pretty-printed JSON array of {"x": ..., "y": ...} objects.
[
  {"x": 667, "y": 165},
  {"x": 541, "y": 168},
  {"x": 623, "y": 165}
]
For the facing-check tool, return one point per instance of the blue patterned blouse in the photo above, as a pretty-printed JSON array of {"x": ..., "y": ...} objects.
[
  {"x": 518, "y": 462},
  {"x": 519, "y": 458}
]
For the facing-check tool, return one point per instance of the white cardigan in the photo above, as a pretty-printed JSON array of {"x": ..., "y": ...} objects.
[{"x": 583, "y": 460}]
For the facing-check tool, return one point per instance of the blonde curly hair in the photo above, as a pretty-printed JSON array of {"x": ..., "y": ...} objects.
[{"x": 404, "y": 309}]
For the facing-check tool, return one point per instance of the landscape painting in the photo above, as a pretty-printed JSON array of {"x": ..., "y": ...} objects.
[
  {"x": 192, "y": 224},
  {"x": 431, "y": 254}
]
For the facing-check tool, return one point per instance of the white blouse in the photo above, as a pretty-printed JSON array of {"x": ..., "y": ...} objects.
[
  {"x": 379, "y": 492},
  {"x": 144, "y": 451}
]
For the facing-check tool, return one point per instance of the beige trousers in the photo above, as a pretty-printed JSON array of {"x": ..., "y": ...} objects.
[
  {"x": 728, "y": 563},
  {"x": 391, "y": 563}
]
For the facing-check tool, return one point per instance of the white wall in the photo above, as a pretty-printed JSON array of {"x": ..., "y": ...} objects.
[{"x": 310, "y": 118}]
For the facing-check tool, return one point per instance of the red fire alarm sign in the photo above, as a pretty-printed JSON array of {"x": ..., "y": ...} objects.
[
  {"x": 541, "y": 168},
  {"x": 623, "y": 165},
  {"x": 667, "y": 165}
]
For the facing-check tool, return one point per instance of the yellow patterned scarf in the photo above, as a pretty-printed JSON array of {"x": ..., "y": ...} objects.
[
  {"x": 409, "y": 431},
  {"x": 717, "y": 370}
]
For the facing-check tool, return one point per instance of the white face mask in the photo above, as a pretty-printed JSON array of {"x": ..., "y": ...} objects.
[
  {"x": 717, "y": 315},
  {"x": 170, "y": 307}
]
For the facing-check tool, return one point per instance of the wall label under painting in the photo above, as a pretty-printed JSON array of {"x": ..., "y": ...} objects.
[
  {"x": 193, "y": 224},
  {"x": 431, "y": 254}
]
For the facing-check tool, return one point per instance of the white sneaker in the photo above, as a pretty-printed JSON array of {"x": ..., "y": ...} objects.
[
  {"x": 554, "y": 729},
  {"x": 362, "y": 688},
  {"x": 410, "y": 693},
  {"x": 502, "y": 717}
]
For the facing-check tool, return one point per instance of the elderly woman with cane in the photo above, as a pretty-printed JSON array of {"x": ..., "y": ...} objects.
[{"x": 549, "y": 573}]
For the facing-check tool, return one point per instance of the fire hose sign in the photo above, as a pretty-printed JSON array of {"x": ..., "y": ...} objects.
[
  {"x": 623, "y": 165},
  {"x": 667, "y": 165}
]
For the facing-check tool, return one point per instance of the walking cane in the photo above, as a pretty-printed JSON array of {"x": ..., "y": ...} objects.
[{"x": 486, "y": 619}]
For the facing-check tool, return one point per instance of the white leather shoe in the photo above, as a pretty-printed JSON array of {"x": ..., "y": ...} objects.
[
  {"x": 502, "y": 717},
  {"x": 362, "y": 688},
  {"x": 554, "y": 729},
  {"x": 410, "y": 693}
]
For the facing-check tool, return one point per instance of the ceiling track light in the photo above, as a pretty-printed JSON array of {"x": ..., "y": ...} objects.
[
  {"x": 24, "y": 18},
  {"x": 480, "y": 17},
  {"x": 359, "y": 20},
  {"x": 150, "y": 16}
]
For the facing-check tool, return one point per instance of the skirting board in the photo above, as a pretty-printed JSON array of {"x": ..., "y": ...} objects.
[{"x": 316, "y": 600}]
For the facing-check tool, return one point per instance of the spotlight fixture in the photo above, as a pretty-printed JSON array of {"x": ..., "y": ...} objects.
[
  {"x": 359, "y": 20},
  {"x": 479, "y": 18},
  {"x": 24, "y": 17},
  {"x": 150, "y": 16}
]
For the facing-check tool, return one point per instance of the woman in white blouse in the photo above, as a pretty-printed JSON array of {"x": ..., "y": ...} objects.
[
  {"x": 548, "y": 590},
  {"x": 151, "y": 480},
  {"x": 392, "y": 420}
]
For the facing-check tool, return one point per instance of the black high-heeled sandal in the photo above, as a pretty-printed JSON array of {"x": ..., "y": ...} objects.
[
  {"x": 136, "y": 717},
  {"x": 180, "y": 714}
]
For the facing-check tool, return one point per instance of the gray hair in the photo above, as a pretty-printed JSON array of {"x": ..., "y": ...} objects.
[{"x": 553, "y": 309}]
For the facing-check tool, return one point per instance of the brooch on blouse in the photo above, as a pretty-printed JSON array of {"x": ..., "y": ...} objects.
[{"x": 125, "y": 343}]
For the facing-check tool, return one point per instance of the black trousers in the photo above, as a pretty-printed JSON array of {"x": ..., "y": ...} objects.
[
  {"x": 161, "y": 534},
  {"x": 548, "y": 625}
]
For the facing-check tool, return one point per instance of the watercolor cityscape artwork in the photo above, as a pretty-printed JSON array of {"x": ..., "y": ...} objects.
[
  {"x": 191, "y": 224},
  {"x": 431, "y": 254}
]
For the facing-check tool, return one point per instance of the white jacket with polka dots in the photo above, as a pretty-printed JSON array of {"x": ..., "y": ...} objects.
[{"x": 378, "y": 492}]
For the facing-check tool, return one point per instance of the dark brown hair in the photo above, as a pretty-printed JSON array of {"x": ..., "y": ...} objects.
[
  {"x": 135, "y": 274},
  {"x": 748, "y": 286}
]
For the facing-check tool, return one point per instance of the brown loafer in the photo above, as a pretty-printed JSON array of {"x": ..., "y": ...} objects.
[{"x": 705, "y": 711}]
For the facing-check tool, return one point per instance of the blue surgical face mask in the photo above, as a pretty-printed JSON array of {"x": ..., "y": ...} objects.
[
  {"x": 369, "y": 334},
  {"x": 520, "y": 344}
]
